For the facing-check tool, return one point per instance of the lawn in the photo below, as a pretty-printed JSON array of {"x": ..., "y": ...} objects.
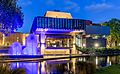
[{"x": 114, "y": 69}]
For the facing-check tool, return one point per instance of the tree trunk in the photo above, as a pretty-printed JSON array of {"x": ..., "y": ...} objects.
[{"x": 115, "y": 43}]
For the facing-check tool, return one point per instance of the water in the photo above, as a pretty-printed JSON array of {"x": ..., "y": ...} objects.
[
  {"x": 30, "y": 49},
  {"x": 78, "y": 65},
  {"x": 84, "y": 65},
  {"x": 31, "y": 45}
]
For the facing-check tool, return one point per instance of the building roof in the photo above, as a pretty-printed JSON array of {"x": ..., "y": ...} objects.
[{"x": 56, "y": 14}]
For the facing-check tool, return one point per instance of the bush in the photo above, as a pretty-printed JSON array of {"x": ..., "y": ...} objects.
[
  {"x": 4, "y": 69},
  {"x": 109, "y": 51}
]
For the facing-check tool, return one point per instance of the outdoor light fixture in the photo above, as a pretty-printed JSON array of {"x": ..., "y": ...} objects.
[
  {"x": 119, "y": 44},
  {"x": 96, "y": 37},
  {"x": 84, "y": 45},
  {"x": 96, "y": 45},
  {"x": 41, "y": 30}
]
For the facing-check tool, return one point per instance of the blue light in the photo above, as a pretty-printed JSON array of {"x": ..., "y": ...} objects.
[
  {"x": 16, "y": 49},
  {"x": 31, "y": 45},
  {"x": 30, "y": 49}
]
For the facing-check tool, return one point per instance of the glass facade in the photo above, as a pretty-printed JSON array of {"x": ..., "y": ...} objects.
[{"x": 60, "y": 23}]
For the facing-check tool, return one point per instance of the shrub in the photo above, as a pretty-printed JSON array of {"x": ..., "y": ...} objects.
[{"x": 5, "y": 69}]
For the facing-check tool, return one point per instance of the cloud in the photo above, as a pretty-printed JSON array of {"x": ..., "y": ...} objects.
[
  {"x": 99, "y": 7},
  {"x": 70, "y": 5},
  {"x": 50, "y": 2}
]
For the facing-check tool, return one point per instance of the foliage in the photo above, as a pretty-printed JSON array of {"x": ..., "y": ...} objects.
[
  {"x": 11, "y": 17},
  {"x": 7, "y": 70},
  {"x": 114, "y": 38},
  {"x": 100, "y": 51},
  {"x": 89, "y": 50},
  {"x": 114, "y": 69}
]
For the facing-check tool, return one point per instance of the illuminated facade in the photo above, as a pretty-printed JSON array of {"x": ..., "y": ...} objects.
[
  {"x": 15, "y": 37},
  {"x": 60, "y": 34}
]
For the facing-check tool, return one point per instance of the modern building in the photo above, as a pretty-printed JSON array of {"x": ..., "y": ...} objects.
[{"x": 59, "y": 33}]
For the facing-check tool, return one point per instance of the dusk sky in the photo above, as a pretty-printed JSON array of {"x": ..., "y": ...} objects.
[{"x": 95, "y": 10}]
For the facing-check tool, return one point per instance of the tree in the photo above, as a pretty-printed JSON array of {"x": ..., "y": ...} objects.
[
  {"x": 114, "y": 38},
  {"x": 11, "y": 17}
]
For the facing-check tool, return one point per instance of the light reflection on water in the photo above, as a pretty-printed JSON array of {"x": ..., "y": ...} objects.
[{"x": 67, "y": 66}]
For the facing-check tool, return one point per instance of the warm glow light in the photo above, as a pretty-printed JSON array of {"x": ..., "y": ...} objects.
[
  {"x": 43, "y": 67},
  {"x": 43, "y": 41},
  {"x": 96, "y": 61},
  {"x": 77, "y": 31},
  {"x": 119, "y": 44},
  {"x": 84, "y": 45},
  {"x": 96, "y": 45}
]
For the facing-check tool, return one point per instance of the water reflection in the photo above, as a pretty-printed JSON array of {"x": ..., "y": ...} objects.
[
  {"x": 80, "y": 65},
  {"x": 84, "y": 65}
]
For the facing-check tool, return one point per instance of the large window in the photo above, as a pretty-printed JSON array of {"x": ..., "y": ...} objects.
[
  {"x": 59, "y": 42},
  {"x": 60, "y": 23}
]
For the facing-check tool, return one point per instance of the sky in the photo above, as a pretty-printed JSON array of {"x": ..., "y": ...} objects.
[{"x": 97, "y": 11}]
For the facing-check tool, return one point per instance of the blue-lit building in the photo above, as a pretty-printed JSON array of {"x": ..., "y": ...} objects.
[{"x": 58, "y": 32}]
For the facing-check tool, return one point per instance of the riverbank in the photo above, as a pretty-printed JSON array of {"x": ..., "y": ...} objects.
[{"x": 114, "y": 69}]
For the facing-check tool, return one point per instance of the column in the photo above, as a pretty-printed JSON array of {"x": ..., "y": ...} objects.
[
  {"x": 42, "y": 42},
  {"x": 68, "y": 43},
  {"x": 3, "y": 40},
  {"x": 74, "y": 46},
  {"x": 74, "y": 61},
  {"x": 43, "y": 69}
]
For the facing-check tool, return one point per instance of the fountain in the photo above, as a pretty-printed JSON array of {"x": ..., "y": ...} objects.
[
  {"x": 31, "y": 45},
  {"x": 30, "y": 51},
  {"x": 16, "y": 49}
]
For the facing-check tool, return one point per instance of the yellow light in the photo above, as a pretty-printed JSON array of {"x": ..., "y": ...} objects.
[
  {"x": 96, "y": 45},
  {"x": 84, "y": 45},
  {"x": 119, "y": 44},
  {"x": 43, "y": 67}
]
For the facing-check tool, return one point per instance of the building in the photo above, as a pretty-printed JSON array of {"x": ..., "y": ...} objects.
[
  {"x": 59, "y": 33},
  {"x": 6, "y": 41}
]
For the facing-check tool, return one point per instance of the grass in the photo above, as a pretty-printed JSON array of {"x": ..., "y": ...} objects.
[{"x": 114, "y": 69}]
